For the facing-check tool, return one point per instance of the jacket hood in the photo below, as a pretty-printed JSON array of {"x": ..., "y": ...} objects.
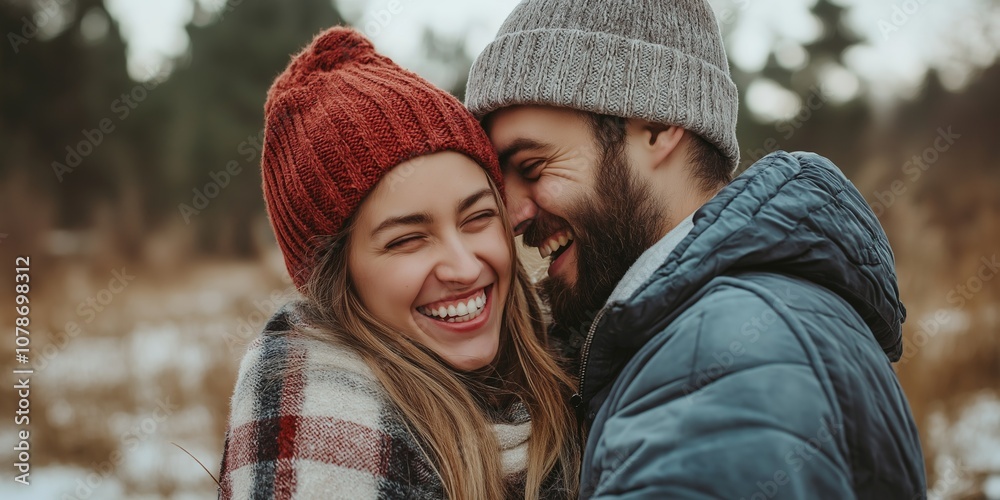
[{"x": 791, "y": 213}]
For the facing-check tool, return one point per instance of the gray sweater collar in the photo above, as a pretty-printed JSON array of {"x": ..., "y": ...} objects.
[{"x": 651, "y": 260}]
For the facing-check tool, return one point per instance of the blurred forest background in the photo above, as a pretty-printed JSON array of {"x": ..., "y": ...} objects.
[{"x": 137, "y": 196}]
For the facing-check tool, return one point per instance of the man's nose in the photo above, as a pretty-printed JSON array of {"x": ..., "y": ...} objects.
[{"x": 521, "y": 207}]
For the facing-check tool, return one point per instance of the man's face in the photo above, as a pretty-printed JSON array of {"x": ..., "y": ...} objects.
[{"x": 577, "y": 200}]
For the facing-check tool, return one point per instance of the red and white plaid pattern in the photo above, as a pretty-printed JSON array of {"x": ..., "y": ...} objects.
[{"x": 309, "y": 420}]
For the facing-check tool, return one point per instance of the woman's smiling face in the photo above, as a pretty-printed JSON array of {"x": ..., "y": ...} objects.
[{"x": 429, "y": 257}]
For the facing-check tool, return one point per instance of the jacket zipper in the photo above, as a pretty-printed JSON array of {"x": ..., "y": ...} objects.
[{"x": 577, "y": 399}]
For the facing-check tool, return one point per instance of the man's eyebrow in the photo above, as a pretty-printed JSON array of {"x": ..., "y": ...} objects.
[
  {"x": 516, "y": 147},
  {"x": 403, "y": 220}
]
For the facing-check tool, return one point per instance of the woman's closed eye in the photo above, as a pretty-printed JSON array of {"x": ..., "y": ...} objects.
[
  {"x": 409, "y": 242},
  {"x": 476, "y": 222},
  {"x": 481, "y": 219}
]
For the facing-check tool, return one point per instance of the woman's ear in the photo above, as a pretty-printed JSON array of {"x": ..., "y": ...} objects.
[{"x": 653, "y": 142}]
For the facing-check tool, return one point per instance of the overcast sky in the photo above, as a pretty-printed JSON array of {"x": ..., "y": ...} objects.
[{"x": 905, "y": 38}]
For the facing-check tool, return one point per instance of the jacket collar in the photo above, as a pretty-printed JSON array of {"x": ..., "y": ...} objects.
[{"x": 792, "y": 213}]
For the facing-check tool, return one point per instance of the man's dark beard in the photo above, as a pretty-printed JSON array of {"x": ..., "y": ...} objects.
[{"x": 611, "y": 230}]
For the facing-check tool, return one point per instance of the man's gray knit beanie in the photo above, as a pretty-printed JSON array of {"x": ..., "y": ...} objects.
[{"x": 658, "y": 60}]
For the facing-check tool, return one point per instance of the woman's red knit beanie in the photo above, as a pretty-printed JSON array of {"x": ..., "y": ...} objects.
[{"x": 339, "y": 118}]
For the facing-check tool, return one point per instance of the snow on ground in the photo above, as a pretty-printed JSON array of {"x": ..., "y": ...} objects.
[{"x": 967, "y": 448}]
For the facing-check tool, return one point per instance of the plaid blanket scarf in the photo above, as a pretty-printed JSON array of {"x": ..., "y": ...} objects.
[{"x": 322, "y": 427}]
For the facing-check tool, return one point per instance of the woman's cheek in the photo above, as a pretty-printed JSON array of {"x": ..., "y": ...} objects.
[
  {"x": 499, "y": 251},
  {"x": 407, "y": 274}
]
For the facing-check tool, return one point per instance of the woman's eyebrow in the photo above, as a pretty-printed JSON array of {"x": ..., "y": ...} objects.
[
  {"x": 403, "y": 220},
  {"x": 426, "y": 218},
  {"x": 472, "y": 199}
]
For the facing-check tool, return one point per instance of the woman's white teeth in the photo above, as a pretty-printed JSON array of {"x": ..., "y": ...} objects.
[
  {"x": 464, "y": 311},
  {"x": 555, "y": 242},
  {"x": 468, "y": 317}
]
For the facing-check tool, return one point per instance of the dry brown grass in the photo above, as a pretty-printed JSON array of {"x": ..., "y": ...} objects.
[
  {"x": 157, "y": 365},
  {"x": 178, "y": 330}
]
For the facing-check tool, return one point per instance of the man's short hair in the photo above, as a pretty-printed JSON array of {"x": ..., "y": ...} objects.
[{"x": 711, "y": 167}]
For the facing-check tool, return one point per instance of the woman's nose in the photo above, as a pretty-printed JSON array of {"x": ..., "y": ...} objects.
[{"x": 459, "y": 264}]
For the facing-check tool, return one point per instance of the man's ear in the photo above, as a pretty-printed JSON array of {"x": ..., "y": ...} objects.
[{"x": 656, "y": 140}]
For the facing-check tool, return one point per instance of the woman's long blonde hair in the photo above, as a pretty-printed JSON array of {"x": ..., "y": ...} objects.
[{"x": 445, "y": 408}]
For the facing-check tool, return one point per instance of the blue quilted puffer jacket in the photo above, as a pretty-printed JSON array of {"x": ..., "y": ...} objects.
[{"x": 755, "y": 362}]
